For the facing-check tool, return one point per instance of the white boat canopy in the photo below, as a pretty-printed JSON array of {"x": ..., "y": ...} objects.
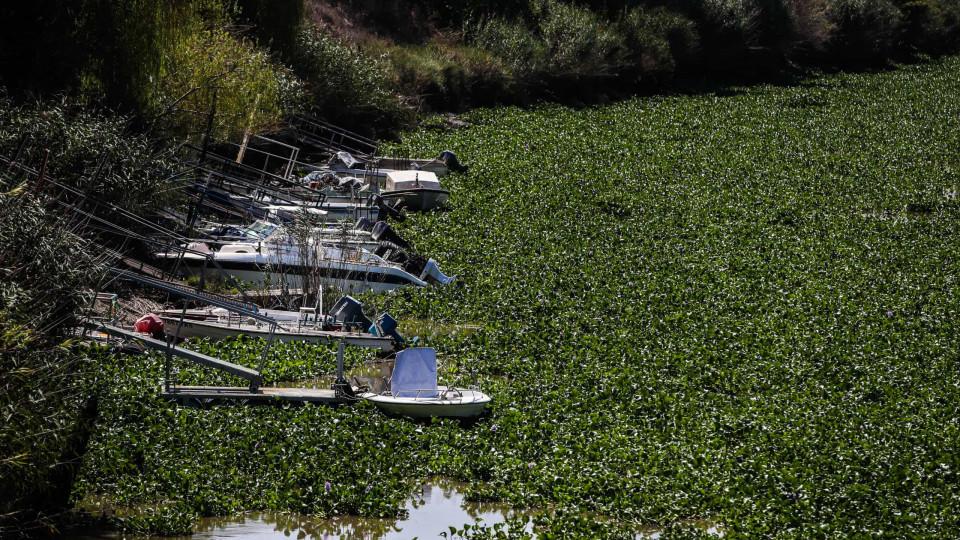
[
  {"x": 415, "y": 374},
  {"x": 399, "y": 180}
]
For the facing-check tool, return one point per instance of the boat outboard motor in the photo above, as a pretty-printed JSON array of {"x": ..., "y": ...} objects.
[
  {"x": 413, "y": 263},
  {"x": 449, "y": 159},
  {"x": 383, "y": 232},
  {"x": 386, "y": 209},
  {"x": 431, "y": 273},
  {"x": 349, "y": 312},
  {"x": 393, "y": 253},
  {"x": 363, "y": 224},
  {"x": 387, "y": 326}
]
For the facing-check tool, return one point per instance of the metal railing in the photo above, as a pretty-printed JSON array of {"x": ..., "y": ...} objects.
[
  {"x": 442, "y": 394},
  {"x": 330, "y": 138}
]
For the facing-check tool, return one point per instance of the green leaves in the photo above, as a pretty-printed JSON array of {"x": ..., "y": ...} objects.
[{"x": 706, "y": 306}]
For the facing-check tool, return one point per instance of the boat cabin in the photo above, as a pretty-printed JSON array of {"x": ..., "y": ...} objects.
[{"x": 406, "y": 180}]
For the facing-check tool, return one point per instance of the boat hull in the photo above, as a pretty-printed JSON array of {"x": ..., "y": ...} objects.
[
  {"x": 216, "y": 331},
  {"x": 345, "y": 278},
  {"x": 469, "y": 404}
]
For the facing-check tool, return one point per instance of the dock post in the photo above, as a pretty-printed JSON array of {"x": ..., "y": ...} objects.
[
  {"x": 203, "y": 273},
  {"x": 340, "y": 360},
  {"x": 166, "y": 365},
  {"x": 341, "y": 387},
  {"x": 266, "y": 351}
]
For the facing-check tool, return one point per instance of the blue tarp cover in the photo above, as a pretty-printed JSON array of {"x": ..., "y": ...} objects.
[{"x": 414, "y": 370}]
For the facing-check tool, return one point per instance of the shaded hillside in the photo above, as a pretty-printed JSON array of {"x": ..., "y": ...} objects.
[
  {"x": 373, "y": 64},
  {"x": 477, "y": 53}
]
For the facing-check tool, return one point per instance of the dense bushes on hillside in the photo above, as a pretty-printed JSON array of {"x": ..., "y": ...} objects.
[
  {"x": 719, "y": 36},
  {"x": 145, "y": 56},
  {"x": 525, "y": 49},
  {"x": 164, "y": 61},
  {"x": 95, "y": 153},
  {"x": 344, "y": 84},
  {"x": 44, "y": 416}
]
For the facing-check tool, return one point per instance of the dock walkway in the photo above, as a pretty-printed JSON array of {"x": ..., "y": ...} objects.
[
  {"x": 249, "y": 374},
  {"x": 215, "y": 395}
]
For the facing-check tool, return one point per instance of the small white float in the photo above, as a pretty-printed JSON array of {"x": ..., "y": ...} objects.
[{"x": 414, "y": 391}]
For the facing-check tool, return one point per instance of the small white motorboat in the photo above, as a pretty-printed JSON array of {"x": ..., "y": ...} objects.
[
  {"x": 416, "y": 190},
  {"x": 346, "y": 164},
  {"x": 414, "y": 391}
]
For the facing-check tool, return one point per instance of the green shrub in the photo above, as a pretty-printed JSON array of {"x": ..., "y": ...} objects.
[
  {"x": 44, "y": 271},
  {"x": 518, "y": 47},
  {"x": 931, "y": 25},
  {"x": 80, "y": 140},
  {"x": 811, "y": 26},
  {"x": 213, "y": 72},
  {"x": 578, "y": 41},
  {"x": 867, "y": 30},
  {"x": 655, "y": 41},
  {"x": 449, "y": 76},
  {"x": 40, "y": 397},
  {"x": 163, "y": 60},
  {"x": 45, "y": 266},
  {"x": 343, "y": 82},
  {"x": 563, "y": 41}
]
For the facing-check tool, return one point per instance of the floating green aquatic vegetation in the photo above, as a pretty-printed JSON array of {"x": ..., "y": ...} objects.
[{"x": 723, "y": 305}]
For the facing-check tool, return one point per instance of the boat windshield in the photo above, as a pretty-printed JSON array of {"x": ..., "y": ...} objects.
[{"x": 261, "y": 229}]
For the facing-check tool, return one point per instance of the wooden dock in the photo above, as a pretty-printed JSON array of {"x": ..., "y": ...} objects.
[
  {"x": 203, "y": 396},
  {"x": 251, "y": 375}
]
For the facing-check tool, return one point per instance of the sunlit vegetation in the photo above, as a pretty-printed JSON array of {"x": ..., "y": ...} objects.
[
  {"x": 734, "y": 305},
  {"x": 163, "y": 61},
  {"x": 45, "y": 406},
  {"x": 345, "y": 84}
]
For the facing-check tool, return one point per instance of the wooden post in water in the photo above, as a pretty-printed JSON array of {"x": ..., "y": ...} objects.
[
  {"x": 266, "y": 351},
  {"x": 166, "y": 366}
]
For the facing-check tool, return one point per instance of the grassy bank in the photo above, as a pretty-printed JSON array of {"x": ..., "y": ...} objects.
[{"x": 735, "y": 305}]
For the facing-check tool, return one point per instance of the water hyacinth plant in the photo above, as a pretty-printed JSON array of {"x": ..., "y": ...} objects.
[{"x": 741, "y": 321}]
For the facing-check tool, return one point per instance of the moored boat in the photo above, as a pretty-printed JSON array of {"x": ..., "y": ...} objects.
[
  {"x": 269, "y": 254},
  {"x": 414, "y": 391},
  {"x": 414, "y": 190},
  {"x": 344, "y": 163},
  {"x": 346, "y": 321},
  {"x": 236, "y": 326}
]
